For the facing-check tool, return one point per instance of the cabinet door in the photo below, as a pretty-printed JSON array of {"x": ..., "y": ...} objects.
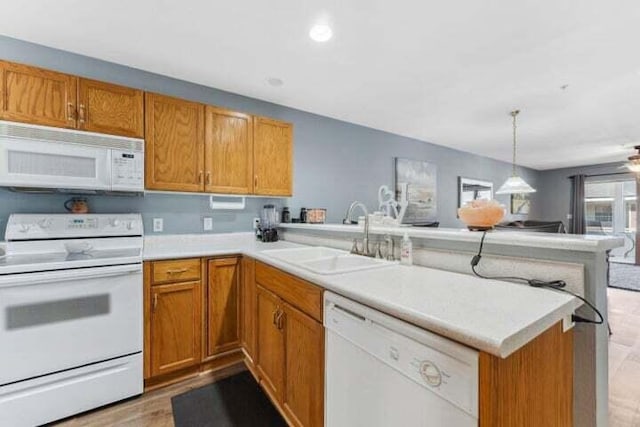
[
  {"x": 270, "y": 348},
  {"x": 223, "y": 320},
  {"x": 108, "y": 108},
  {"x": 174, "y": 157},
  {"x": 37, "y": 96},
  {"x": 304, "y": 369},
  {"x": 228, "y": 152},
  {"x": 248, "y": 307},
  {"x": 176, "y": 322},
  {"x": 272, "y": 157}
]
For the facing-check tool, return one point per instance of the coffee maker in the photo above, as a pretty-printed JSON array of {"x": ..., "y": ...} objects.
[{"x": 268, "y": 230}]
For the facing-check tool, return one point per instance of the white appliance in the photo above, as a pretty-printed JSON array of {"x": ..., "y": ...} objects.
[
  {"x": 71, "y": 317},
  {"x": 383, "y": 372},
  {"x": 45, "y": 157}
]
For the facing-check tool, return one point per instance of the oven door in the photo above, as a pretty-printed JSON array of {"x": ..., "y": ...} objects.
[
  {"x": 53, "y": 321},
  {"x": 30, "y": 163}
]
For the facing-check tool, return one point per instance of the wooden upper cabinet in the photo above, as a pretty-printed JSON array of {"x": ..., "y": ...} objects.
[
  {"x": 228, "y": 152},
  {"x": 223, "y": 317},
  {"x": 176, "y": 322},
  {"x": 37, "y": 96},
  {"x": 272, "y": 157},
  {"x": 109, "y": 108},
  {"x": 174, "y": 157}
]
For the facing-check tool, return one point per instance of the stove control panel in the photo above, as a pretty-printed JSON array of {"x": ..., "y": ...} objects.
[{"x": 60, "y": 226}]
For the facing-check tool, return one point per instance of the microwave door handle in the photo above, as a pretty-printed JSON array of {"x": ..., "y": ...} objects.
[{"x": 30, "y": 279}]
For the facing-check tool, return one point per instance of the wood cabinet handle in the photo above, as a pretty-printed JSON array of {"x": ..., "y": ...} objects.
[
  {"x": 280, "y": 320},
  {"x": 71, "y": 111},
  {"x": 208, "y": 177},
  {"x": 275, "y": 314},
  {"x": 83, "y": 113},
  {"x": 255, "y": 181},
  {"x": 200, "y": 174},
  {"x": 177, "y": 271},
  {"x": 155, "y": 302}
]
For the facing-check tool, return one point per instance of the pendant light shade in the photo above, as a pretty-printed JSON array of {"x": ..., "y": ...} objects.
[
  {"x": 515, "y": 184},
  {"x": 634, "y": 161}
]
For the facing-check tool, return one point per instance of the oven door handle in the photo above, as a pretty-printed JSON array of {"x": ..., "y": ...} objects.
[{"x": 28, "y": 279}]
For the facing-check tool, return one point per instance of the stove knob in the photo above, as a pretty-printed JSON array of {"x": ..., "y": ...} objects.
[
  {"x": 114, "y": 222},
  {"x": 430, "y": 373},
  {"x": 24, "y": 228},
  {"x": 130, "y": 225}
]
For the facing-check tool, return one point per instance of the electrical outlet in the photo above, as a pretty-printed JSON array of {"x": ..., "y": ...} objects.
[
  {"x": 208, "y": 223},
  {"x": 158, "y": 225},
  {"x": 256, "y": 223}
]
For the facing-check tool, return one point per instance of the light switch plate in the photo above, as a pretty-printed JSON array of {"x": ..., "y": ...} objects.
[
  {"x": 158, "y": 225},
  {"x": 208, "y": 223}
]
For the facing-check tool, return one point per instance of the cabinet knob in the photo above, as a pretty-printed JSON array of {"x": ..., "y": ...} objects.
[
  {"x": 71, "y": 112},
  {"x": 83, "y": 113}
]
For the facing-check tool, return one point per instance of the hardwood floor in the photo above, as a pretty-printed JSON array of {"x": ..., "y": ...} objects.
[
  {"x": 154, "y": 408},
  {"x": 151, "y": 409},
  {"x": 624, "y": 358}
]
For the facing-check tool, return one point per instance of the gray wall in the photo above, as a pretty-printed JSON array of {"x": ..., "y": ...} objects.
[
  {"x": 335, "y": 162},
  {"x": 555, "y": 185}
]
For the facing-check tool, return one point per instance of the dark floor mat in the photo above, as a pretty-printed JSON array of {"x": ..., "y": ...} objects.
[{"x": 236, "y": 401}]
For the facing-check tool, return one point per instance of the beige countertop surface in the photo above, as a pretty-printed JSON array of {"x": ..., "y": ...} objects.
[{"x": 489, "y": 315}]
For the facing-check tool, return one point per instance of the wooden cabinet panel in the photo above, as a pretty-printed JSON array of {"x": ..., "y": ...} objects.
[
  {"x": 304, "y": 368},
  {"x": 270, "y": 349},
  {"x": 272, "y": 157},
  {"x": 174, "y": 131},
  {"x": 175, "y": 326},
  {"x": 531, "y": 387},
  {"x": 37, "y": 96},
  {"x": 176, "y": 270},
  {"x": 304, "y": 295},
  {"x": 223, "y": 320},
  {"x": 109, "y": 108},
  {"x": 228, "y": 152},
  {"x": 248, "y": 307}
]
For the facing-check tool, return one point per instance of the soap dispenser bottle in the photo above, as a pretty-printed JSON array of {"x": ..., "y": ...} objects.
[{"x": 406, "y": 250}]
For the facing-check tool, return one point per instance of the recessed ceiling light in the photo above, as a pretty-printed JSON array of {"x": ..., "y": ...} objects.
[
  {"x": 320, "y": 33},
  {"x": 274, "y": 81}
]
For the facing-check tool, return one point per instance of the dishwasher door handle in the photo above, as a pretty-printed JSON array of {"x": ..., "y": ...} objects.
[{"x": 347, "y": 312}]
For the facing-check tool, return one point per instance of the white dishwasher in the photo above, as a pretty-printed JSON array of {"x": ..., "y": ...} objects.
[{"x": 380, "y": 371}]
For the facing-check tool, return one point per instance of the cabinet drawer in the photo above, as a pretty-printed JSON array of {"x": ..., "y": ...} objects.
[
  {"x": 179, "y": 270},
  {"x": 299, "y": 293}
]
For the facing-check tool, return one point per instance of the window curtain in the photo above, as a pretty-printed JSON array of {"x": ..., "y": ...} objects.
[{"x": 577, "y": 204}]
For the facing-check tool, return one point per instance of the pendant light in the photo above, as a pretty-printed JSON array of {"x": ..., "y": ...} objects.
[
  {"x": 634, "y": 162},
  {"x": 515, "y": 184}
]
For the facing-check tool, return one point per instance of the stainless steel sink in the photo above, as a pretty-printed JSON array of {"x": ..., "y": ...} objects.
[{"x": 321, "y": 260}]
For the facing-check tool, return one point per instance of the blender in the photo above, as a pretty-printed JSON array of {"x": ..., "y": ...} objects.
[{"x": 269, "y": 224}]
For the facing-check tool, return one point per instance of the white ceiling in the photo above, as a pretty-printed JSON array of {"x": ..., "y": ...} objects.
[{"x": 446, "y": 72}]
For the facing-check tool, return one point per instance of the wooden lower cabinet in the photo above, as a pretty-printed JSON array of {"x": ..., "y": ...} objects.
[
  {"x": 192, "y": 315},
  {"x": 270, "y": 349},
  {"x": 304, "y": 368},
  {"x": 175, "y": 326},
  {"x": 248, "y": 308},
  {"x": 222, "y": 307},
  {"x": 290, "y": 345}
]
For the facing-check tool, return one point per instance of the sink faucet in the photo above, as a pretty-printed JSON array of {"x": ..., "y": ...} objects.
[{"x": 365, "y": 240}]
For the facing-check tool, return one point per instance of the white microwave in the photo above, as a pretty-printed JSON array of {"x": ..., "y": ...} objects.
[{"x": 42, "y": 157}]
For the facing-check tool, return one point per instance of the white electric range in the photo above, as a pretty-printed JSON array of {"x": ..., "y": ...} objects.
[{"x": 71, "y": 316}]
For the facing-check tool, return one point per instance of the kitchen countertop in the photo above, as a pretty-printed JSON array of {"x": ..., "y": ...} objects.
[
  {"x": 492, "y": 316},
  {"x": 571, "y": 242}
]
